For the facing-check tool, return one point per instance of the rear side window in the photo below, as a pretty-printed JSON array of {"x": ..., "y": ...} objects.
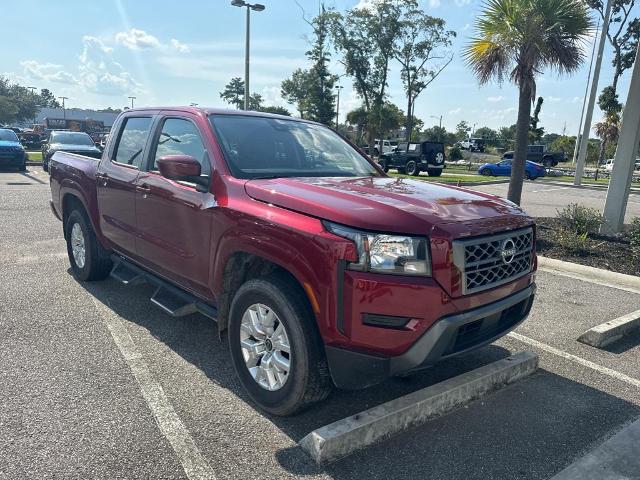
[
  {"x": 133, "y": 137},
  {"x": 181, "y": 137}
]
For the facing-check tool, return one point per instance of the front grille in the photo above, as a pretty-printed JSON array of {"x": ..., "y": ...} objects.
[{"x": 486, "y": 262}]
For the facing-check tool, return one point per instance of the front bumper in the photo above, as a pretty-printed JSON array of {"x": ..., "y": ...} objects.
[{"x": 449, "y": 336}]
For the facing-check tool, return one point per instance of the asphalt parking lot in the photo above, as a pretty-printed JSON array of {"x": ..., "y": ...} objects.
[{"x": 84, "y": 367}]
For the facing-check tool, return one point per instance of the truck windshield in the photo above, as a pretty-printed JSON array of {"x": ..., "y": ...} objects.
[
  {"x": 71, "y": 138},
  {"x": 263, "y": 147},
  {"x": 8, "y": 135}
]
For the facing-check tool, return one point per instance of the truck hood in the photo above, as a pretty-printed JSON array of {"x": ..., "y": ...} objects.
[{"x": 389, "y": 204}]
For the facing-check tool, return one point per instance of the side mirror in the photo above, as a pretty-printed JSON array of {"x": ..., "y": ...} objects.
[{"x": 182, "y": 168}]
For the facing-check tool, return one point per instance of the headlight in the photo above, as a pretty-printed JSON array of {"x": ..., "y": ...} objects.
[{"x": 385, "y": 253}]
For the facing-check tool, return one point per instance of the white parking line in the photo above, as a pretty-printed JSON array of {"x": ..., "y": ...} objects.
[
  {"x": 585, "y": 363},
  {"x": 547, "y": 189},
  {"x": 193, "y": 462}
]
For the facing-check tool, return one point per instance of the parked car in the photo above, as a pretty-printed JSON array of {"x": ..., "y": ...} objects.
[
  {"x": 65, "y": 141},
  {"x": 320, "y": 268},
  {"x": 473, "y": 145},
  {"x": 412, "y": 158},
  {"x": 608, "y": 165},
  {"x": 12, "y": 153},
  {"x": 503, "y": 169},
  {"x": 539, "y": 154},
  {"x": 379, "y": 147},
  {"x": 31, "y": 140}
]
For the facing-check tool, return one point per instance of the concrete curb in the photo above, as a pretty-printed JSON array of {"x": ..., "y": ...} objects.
[
  {"x": 617, "y": 280},
  {"x": 615, "y": 459},
  {"x": 606, "y": 333},
  {"x": 350, "y": 434},
  {"x": 584, "y": 185}
]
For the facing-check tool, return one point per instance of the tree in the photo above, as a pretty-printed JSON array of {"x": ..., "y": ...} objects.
[
  {"x": 388, "y": 119},
  {"x": 462, "y": 130},
  {"x": 295, "y": 90},
  {"x": 233, "y": 93},
  {"x": 366, "y": 39},
  {"x": 607, "y": 131},
  {"x": 48, "y": 99},
  {"x": 518, "y": 39},
  {"x": 275, "y": 109},
  {"x": 8, "y": 110},
  {"x": 438, "y": 134},
  {"x": 535, "y": 132},
  {"x": 486, "y": 133},
  {"x": 421, "y": 39}
]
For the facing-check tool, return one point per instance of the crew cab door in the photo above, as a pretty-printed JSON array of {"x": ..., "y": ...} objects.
[
  {"x": 174, "y": 218},
  {"x": 116, "y": 182}
]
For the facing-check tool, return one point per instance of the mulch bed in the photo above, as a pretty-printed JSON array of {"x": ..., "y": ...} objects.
[{"x": 606, "y": 252}]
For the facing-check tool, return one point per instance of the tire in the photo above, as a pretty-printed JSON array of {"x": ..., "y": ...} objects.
[
  {"x": 383, "y": 165},
  {"x": 307, "y": 381},
  {"x": 485, "y": 172},
  {"x": 547, "y": 162},
  {"x": 434, "y": 172},
  {"x": 527, "y": 175},
  {"x": 376, "y": 152},
  {"x": 45, "y": 164},
  {"x": 412, "y": 168},
  {"x": 96, "y": 264}
]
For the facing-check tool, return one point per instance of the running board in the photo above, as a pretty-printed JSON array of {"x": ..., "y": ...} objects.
[{"x": 171, "y": 299}]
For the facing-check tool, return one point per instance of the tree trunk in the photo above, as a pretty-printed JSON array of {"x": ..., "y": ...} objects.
[
  {"x": 409, "y": 122},
  {"x": 522, "y": 140},
  {"x": 603, "y": 149}
]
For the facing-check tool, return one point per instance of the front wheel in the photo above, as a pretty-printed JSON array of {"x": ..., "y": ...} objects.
[
  {"x": 527, "y": 175},
  {"x": 486, "y": 172},
  {"x": 412, "y": 168},
  {"x": 383, "y": 165},
  {"x": 275, "y": 348},
  {"x": 89, "y": 261}
]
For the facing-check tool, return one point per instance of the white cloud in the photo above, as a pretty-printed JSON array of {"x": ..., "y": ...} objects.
[
  {"x": 179, "y": 47},
  {"x": 455, "y": 111},
  {"x": 467, "y": 26},
  {"x": 462, "y": 3},
  {"x": 47, "y": 71},
  {"x": 576, "y": 99},
  {"x": 497, "y": 99},
  {"x": 434, "y": 3},
  {"x": 553, "y": 99},
  {"x": 100, "y": 73},
  {"x": 136, "y": 39}
]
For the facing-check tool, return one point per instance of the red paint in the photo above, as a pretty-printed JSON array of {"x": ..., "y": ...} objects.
[{"x": 188, "y": 236}]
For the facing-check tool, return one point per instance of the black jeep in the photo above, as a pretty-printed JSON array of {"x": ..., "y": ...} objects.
[{"x": 412, "y": 158}]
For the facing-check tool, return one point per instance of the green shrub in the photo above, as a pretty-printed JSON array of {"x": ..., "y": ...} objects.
[
  {"x": 455, "y": 153},
  {"x": 634, "y": 232},
  {"x": 579, "y": 219},
  {"x": 572, "y": 241}
]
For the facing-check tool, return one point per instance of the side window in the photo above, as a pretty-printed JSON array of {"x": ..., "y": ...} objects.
[
  {"x": 133, "y": 137},
  {"x": 181, "y": 137}
]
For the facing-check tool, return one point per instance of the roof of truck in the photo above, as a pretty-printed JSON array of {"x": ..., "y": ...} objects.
[{"x": 214, "y": 111}]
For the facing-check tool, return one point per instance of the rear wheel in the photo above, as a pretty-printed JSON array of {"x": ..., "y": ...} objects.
[
  {"x": 383, "y": 165},
  {"x": 527, "y": 175},
  {"x": 485, "y": 172},
  {"x": 275, "y": 348},
  {"x": 412, "y": 168},
  {"x": 89, "y": 261},
  {"x": 547, "y": 162}
]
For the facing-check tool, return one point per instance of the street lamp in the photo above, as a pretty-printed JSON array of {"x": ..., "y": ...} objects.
[
  {"x": 338, "y": 88},
  {"x": 132, "y": 99},
  {"x": 64, "y": 111},
  {"x": 257, "y": 8},
  {"x": 436, "y": 117}
]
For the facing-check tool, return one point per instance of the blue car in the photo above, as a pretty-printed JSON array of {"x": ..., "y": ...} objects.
[
  {"x": 12, "y": 153},
  {"x": 503, "y": 169}
]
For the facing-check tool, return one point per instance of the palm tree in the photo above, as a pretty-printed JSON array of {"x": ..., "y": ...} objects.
[
  {"x": 607, "y": 131},
  {"x": 520, "y": 39}
]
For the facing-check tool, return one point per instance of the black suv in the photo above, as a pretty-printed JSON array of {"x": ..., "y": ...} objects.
[
  {"x": 412, "y": 158},
  {"x": 72, "y": 142}
]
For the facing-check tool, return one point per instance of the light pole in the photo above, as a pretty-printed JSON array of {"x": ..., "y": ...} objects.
[
  {"x": 132, "y": 99},
  {"x": 338, "y": 88},
  {"x": 64, "y": 111},
  {"x": 258, "y": 8},
  {"x": 436, "y": 117},
  {"x": 472, "y": 131}
]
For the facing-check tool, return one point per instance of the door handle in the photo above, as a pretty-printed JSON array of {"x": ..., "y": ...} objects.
[
  {"x": 144, "y": 189},
  {"x": 102, "y": 179}
]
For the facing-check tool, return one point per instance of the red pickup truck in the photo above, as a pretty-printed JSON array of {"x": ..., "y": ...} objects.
[{"x": 321, "y": 269}]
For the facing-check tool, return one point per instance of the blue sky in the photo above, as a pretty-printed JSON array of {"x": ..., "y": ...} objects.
[{"x": 168, "y": 53}]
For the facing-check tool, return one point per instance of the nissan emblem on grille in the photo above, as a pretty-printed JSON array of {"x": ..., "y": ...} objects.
[
  {"x": 488, "y": 261},
  {"x": 508, "y": 251}
]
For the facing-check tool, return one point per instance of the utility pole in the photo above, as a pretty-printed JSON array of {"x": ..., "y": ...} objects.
[
  {"x": 132, "y": 99},
  {"x": 257, "y": 8},
  {"x": 338, "y": 88},
  {"x": 615, "y": 205},
  {"x": 582, "y": 153},
  {"x": 64, "y": 111},
  {"x": 584, "y": 100},
  {"x": 440, "y": 117}
]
